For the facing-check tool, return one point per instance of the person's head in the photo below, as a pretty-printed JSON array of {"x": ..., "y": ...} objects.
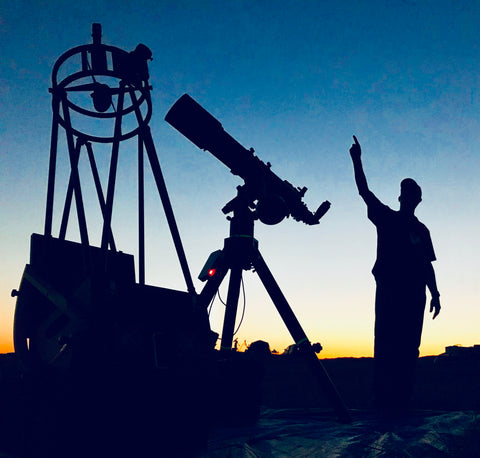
[{"x": 410, "y": 194}]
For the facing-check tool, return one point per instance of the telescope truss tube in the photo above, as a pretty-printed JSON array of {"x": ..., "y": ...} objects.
[{"x": 116, "y": 81}]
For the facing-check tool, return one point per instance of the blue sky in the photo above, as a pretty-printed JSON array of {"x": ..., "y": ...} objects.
[{"x": 295, "y": 80}]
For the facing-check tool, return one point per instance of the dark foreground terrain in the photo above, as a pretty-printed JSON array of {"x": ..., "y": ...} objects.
[
  {"x": 442, "y": 383},
  {"x": 296, "y": 420},
  {"x": 295, "y": 417}
]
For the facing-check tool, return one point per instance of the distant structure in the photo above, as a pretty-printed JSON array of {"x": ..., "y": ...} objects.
[
  {"x": 457, "y": 351},
  {"x": 293, "y": 349}
]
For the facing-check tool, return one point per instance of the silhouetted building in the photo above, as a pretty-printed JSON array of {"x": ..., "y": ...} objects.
[{"x": 457, "y": 351}]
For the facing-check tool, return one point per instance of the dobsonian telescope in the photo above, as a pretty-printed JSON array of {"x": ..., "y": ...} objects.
[
  {"x": 264, "y": 196},
  {"x": 108, "y": 362}
]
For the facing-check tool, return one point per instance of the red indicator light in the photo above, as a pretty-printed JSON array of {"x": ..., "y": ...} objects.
[{"x": 211, "y": 272}]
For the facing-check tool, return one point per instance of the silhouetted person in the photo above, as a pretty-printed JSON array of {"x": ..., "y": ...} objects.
[{"x": 402, "y": 271}]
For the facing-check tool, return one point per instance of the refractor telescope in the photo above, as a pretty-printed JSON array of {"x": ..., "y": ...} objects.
[{"x": 272, "y": 198}]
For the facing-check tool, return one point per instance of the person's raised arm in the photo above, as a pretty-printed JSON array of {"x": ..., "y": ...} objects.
[{"x": 360, "y": 179}]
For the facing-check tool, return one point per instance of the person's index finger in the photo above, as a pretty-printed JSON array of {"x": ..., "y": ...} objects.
[{"x": 355, "y": 140}]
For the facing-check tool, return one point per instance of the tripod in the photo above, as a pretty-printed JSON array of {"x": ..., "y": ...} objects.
[{"x": 240, "y": 253}]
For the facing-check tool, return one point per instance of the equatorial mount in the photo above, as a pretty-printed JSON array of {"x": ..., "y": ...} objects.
[
  {"x": 265, "y": 197},
  {"x": 240, "y": 252}
]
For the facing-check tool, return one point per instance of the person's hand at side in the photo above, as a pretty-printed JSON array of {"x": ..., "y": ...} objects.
[{"x": 435, "y": 305}]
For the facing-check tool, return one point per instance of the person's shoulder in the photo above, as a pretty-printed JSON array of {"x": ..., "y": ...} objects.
[
  {"x": 372, "y": 200},
  {"x": 384, "y": 208},
  {"x": 419, "y": 223},
  {"x": 421, "y": 226},
  {"x": 380, "y": 213}
]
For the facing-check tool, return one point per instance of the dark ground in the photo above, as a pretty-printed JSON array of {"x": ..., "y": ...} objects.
[
  {"x": 296, "y": 419},
  {"x": 442, "y": 383}
]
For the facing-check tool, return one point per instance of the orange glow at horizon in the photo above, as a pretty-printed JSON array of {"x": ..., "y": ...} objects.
[
  {"x": 6, "y": 347},
  {"x": 337, "y": 350}
]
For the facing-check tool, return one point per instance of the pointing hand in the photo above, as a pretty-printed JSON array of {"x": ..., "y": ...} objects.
[{"x": 355, "y": 150}]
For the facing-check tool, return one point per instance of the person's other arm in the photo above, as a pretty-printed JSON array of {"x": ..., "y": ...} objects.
[{"x": 432, "y": 286}]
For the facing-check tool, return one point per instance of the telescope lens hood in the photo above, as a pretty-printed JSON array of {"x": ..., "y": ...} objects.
[{"x": 194, "y": 122}]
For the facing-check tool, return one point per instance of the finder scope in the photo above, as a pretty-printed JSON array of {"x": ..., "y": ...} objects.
[{"x": 273, "y": 198}]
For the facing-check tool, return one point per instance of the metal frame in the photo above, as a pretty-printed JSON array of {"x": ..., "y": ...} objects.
[{"x": 95, "y": 61}]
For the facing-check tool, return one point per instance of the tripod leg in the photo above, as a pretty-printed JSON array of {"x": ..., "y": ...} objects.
[
  {"x": 231, "y": 308},
  {"x": 300, "y": 337}
]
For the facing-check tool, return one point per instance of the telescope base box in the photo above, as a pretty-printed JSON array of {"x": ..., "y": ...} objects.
[
  {"x": 80, "y": 306},
  {"x": 108, "y": 367},
  {"x": 105, "y": 362}
]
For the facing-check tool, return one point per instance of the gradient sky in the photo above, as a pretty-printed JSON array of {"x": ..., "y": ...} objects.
[{"x": 293, "y": 79}]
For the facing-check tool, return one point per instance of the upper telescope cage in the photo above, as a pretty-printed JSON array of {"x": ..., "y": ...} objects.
[{"x": 91, "y": 78}]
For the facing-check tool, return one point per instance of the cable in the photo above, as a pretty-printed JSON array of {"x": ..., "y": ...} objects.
[
  {"x": 211, "y": 303},
  {"x": 220, "y": 297},
  {"x": 244, "y": 306},
  {"x": 225, "y": 304}
]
